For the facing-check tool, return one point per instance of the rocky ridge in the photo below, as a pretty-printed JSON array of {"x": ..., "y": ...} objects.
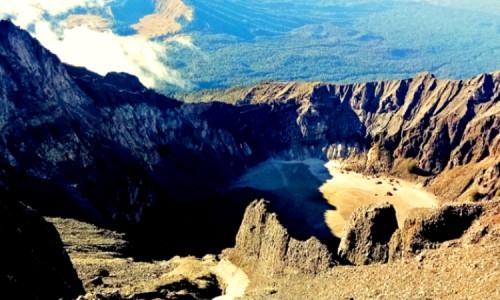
[
  {"x": 427, "y": 228},
  {"x": 458, "y": 266},
  {"x": 461, "y": 265}
]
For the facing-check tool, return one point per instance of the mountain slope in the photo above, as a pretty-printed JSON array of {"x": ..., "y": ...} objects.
[
  {"x": 107, "y": 149},
  {"x": 103, "y": 148}
]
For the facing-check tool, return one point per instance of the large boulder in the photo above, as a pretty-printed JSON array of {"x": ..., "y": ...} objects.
[
  {"x": 367, "y": 233},
  {"x": 264, "y": 245},
  {"x": 33, "y": 262},
  {"x": 427, "y": 228}
]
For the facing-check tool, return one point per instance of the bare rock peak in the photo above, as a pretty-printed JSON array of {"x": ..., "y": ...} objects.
[
  {"x": 425, "y": 75},
  {"x": 263, "y": 242},
  {"x": 367, "y": 233}
]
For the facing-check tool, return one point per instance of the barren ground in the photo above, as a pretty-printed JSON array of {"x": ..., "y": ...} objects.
[
  {"x": 453, "y": 272},
  {"x": 165, "y": 19},
  {"x": 347, "y": 191},
  {"x": 92, "y": 250},
  {"x": 466, "y": 268}
]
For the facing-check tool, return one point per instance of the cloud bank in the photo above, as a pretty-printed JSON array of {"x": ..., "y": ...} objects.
[
  {"x": 28, "y": 12},
  {"x": 101, "y": 51}
]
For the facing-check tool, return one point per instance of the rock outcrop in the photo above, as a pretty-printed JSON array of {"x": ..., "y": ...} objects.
[
  {"x": 33, "y": 262},
  {"x": 372, "y": 235},
  {"x": 264, "y": 245},
  {"x": 367, "y": 233},
  {"x": 427, "y": 228}
]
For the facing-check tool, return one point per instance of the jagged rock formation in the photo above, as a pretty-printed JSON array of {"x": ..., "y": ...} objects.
[
  {"x": 372, "y": 235},
  {"x": 110, "y": 150},
  {"x": 366, "y": 236},
  {"x": 33, "y": 262},
  {"x": 264, "y": 245},
  {"x": 427, "y": 228},
  {"x": 381, "y": 126}
]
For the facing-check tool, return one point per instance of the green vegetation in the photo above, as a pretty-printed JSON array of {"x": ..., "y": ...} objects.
[
  {"x": 362, "y": 43},
  {"x": 231, "y": 95}
]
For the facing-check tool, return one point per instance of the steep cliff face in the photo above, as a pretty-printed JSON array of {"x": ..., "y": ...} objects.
[
  {"x": 264, "y": 245},
  {"x": 366, "y": 236},
  {"x": 442, "y": 125},
  {"x": 109, "y": 150}
]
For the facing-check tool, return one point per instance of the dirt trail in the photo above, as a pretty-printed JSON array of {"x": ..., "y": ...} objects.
[{"x": 349, "y": 190}]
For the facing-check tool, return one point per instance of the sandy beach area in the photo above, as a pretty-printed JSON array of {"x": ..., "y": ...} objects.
[{"x": 349, "y": 190}]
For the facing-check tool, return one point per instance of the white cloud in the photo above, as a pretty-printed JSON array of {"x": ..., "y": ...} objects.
[
  {"x": 28, "y": 12},
  {"x": 101, "y": 52}
]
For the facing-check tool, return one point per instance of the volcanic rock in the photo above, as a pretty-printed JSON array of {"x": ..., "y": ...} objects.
[
  {"x": 367, "y": 233},
  {"x": 96, "y": 281},
  {"x": 427, "y": 228},
  {"x": 264, "y": 245}
]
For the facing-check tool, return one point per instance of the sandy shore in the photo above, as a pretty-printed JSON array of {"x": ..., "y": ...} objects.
[{"x": 349, "y": 190}]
